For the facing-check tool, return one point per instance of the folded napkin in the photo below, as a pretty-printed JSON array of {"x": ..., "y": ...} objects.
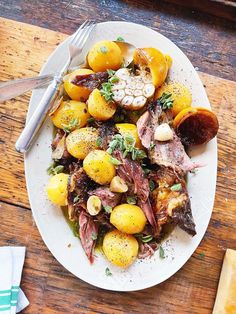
[{"x": 12, "y": 299}]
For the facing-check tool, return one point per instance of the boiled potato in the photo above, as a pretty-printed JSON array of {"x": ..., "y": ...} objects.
[
  {"x": 180, "y": 94},
  {"x": 98, "y": 166},
  {"x": 99, "y": 108},
  {"x": 128, "y": 218},
  {"x": 120, "y": 249},
  {"x": 155, "y": 61},
  {"x": 57, "y": 189},
  {"x": 69, "y": 111},
  {"x": 81, "y": 141},
  {"x": 104, "y": 55},
  {"x": 80, "y": 93},
  {"x": 129, "y": 129}
]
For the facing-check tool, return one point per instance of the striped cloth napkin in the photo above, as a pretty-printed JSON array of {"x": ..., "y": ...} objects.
[{"x": 12, "y": 299}]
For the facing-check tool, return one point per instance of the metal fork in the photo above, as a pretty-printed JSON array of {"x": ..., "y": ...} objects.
[{"x": 75, "y": 47}]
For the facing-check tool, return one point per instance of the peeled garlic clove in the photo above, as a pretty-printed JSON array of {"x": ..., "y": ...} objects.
[
  {"x": 127, "y": 101},
  {"x": 138, "y": 92},
  {"x": 118, "y": 185},
  {"x": 148, "y": 90},
  {"x": 139, "y": 102},
  {"x": 94, "y": 205},
  {"x": 118, "y": 95},
  {"x": 123, "y": 74},
  {"x": 119, "y": 85},
  {"x": 163, "y": 133}
]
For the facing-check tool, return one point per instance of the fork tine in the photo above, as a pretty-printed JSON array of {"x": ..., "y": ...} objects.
[
  {"x": 79, "y": 30},
  {"x": 83, "y": 38},
  {"x": 79, "y": 38}
]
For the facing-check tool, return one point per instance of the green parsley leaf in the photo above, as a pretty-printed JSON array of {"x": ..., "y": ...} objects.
[
  {"x": 103, "y": 49},
  {"x": 152, "y": 185},
  {"x": 152, "y": 145},
  {"x": 106, "y": 91},
  {"x": 165, "y": 101},
  {"x": 108, "y": 272},
  {"x": 131, "y": 200},
  {"x": 176, "y": 187},
  {"x": 111, "y": 72},
  {"x": 99, "y": 141},
  {"x": 53, "y": 169},
  {"x": 76, "y": 199},
  {"x": 94, "y": 236},
  {"x": 108, "y": 209},
  {"x": 120, "y": 38},
  {"x": 115, "y": 161},
  {"x": 74, "y": 123},
  {"x": 161, "y": 252}
]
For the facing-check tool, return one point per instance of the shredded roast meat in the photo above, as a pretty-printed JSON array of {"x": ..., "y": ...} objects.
[
  {"x": 91, "y": 81},
  {"x": 88, "y": 232},
  {"x": 106, "y": 131},
  {"x": 170, "y": 153},
  {"x": 107, "y": 197}
]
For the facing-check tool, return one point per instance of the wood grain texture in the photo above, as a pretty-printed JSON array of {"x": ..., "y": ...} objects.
[
  {"x": 208, "y": 41},
  {"x": 49, "y": 287}
]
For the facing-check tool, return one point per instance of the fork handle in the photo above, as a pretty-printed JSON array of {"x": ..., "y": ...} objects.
[
  {"x": 14, "y": 88},
  {"x": 25, "y": 140}
]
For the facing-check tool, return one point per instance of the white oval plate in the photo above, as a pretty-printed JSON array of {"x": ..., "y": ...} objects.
[{"x": 51, "y": 223}]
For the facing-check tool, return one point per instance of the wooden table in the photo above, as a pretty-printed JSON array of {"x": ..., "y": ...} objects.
[{"x": 24, "y": 48}]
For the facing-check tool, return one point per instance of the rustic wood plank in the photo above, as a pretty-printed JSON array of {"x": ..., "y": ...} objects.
[
  {"x": 207, "y": 40},
  {"x": 52, "y": 289}
]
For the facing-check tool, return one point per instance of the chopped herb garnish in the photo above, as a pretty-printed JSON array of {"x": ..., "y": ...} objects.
[
  {"x": 120, "y": 38},
  {"x": 99, "y": 141},
  {"x": 90, "y": 120},
  {"x": 165, "y": 101},
  {"x": 176, "y": 187},
  {"x": 106, "y": 91},
  {"x": 114, "y": 79},
  {"x": 152, "y": 145},
  {"x": 144, "y": 238},
  {"x": 161, "y": 252},
  {"x": 74, "y": 123},
  {"x": 201, "y": 255},
  {"x": 115, "y": 161},
  {"x": 126, "y": 145},
  {"x": 146, "y": 170},
  {"x": 131, "y": 200},
  {"x": 111, "y": 72},
  {"x": 76, "y": 199},
  {"x": 104, "y": 49},
  {"x": 108, "y": 209},
  {"x": 152, "y": 185},
  {"x": 108, "y": 272},
  {"x": 54, "y": 169},
  {"x": 94, "y": 236}
]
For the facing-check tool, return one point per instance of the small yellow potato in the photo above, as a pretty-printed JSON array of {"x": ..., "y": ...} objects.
[
  {"x": 180, "y": 94},
  {"x": 128, "y": 218},
  {"x": 98, "y": 166},
  {"x": 155, "y": 60},
  {"x": 57, "y": 189},
  {"x": 99, "y": 108},
  {"x": 118, "y": 185},
  {"x": 81, "y": 141},
  {"x": 104, "y": 55},
  {"x": 70, "y": 111},
  {"x": 129, "y": 129},
  {"x": 119, "y": 248},
  {"x": 80, "y": 93}
]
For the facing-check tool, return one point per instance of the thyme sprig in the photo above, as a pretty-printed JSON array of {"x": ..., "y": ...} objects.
[{"x": 165, "y": 101}]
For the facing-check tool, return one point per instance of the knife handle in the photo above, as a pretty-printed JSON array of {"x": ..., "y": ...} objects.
[{"x": 26, "y": 138}]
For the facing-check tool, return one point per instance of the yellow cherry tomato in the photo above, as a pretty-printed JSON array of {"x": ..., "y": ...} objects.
[
  {"x": 98, "y": 166},
  {"x": 68, "y": 111},
  {"x": 120, "y": 249},
  {"x": 81, "y": 141},
  {"x": 80, "y": 93},
  {"x": 104, "y": 55},
  {"x": 57, "y": 189}
]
